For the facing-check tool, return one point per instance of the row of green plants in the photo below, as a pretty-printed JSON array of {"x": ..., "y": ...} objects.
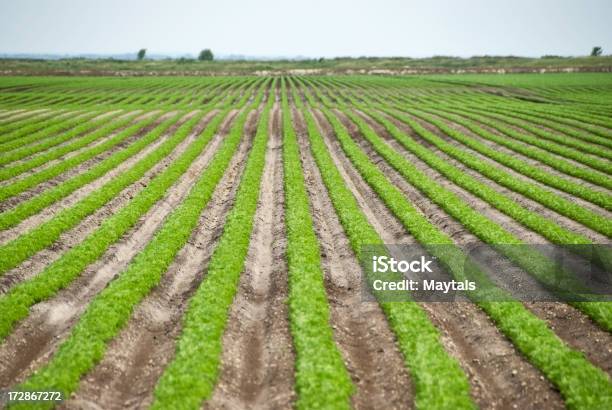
[
  {"x": 487, "y": 230},
  {"x": 577, "y": 379},
  {"x": 15, "y": 119},
  {"x": 63, "y": 271},
  {"x": 111, "y": 309},
  {"x": 36, "y": 125},
  {"x": 551, "y": 142},
  {"x": 597, "y": 197},
  {"x": 48, "y": 138},
  {"x": 100, "y": 128},
  {"x": 531, "y": 190},
  {"x": 321, "y": 377},
  {"x": 502, "y": 109},
  {"x": 532, "y": 152},
  {"x": 438, "y": 379},
  {"x": 190, "y": 377},
  {"x": 35, "y": 204},
  {"x": 19, "y": 185},
  {"x": 38, "y": 238}
]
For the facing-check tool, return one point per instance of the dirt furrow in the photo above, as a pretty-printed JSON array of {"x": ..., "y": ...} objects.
[
  {"x": 535, "y": 163},
  {"x": 499, "y": 376},
  {"x": 503, "y": 271},
  {"x": 71, "y": 154},
  {"x": 37, "y": 337},
  {"x": 79, "y": 169},
  {"x": 135, "y": 359},
  {"x": 528, "y": 203},
  {"x": 360, "y": 328},
  {"x": 70, "y": 238},
  {"x": 257, "y": 363},
  {"x": 586, "y": 204}
]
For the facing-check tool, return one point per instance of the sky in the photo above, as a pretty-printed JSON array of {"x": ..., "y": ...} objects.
[{"x": 311, "y": 28}]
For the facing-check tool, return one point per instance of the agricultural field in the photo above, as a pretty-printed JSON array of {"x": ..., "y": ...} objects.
[{"x": 196, "y": 242}]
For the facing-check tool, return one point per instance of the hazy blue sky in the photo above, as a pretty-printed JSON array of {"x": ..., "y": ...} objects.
[{"x": 311, "y": 28}]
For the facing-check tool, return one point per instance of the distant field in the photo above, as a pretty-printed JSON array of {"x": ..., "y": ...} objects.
[
  {"x": 365, "y": 65},
  {"x": 172, "y": 241}
]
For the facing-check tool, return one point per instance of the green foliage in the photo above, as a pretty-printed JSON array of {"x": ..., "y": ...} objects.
[
  {"x": 321, "y": 378},
  {"x": 111, "y": 308},
  {"x": 439, "y": 381},
  {"x": 206, "y": 55},
  {"x": 579, "y": 381},
  {"x": 141, "y": 54},
  {"x": 27, "y": 244},
  {"x": 190, "y": 377}
]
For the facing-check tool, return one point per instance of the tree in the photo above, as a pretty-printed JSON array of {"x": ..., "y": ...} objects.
[
  {"x": 596, "y": 52},
  {"x": 206, "y": 55},
  {"x": 141, "y": 53}
]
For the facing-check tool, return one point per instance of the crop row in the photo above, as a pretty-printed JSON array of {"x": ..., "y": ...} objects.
[
  {"x": 439, "y": 381},
  {"x": 111, "y": 308},
  {"x": 487, "y": 230},
  {"x": 321, "y": 378},
  {"x": 578, "y": 380},
  {"x": 30, "y": 207},
  {"x": 14, "y": 170},
  {"x": 26, "y": 245},
  {"x": 190, "y": 377}
]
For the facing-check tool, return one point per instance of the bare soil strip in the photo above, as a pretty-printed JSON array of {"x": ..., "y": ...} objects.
[
  {"x": 497, "y": 266},
  {"x": 257, "y": 364},
  {"x": 587, "y": 205},
  {"x": 36, "y": 263},
  {"x": 528, "y": 203},
  {"x": 570, "y": 324},
  {"x": 360, "y": 328},
  {"x": 71, "y": 154},
  {"x": 499, "y": 376},
  {"x": 134, "y": 360},
  {"x": 577, "y": 331},
  {"x": 36, "y": 338},
  {"x": 530, "y": 161},
  {"x": 72, "y": 139},
  {"x": 17, "y": 199}
]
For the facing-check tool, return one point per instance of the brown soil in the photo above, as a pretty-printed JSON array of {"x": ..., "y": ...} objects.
[
  {"x": 360, "y": 328},
  {"x": 17, "y": 199},
  {"x": 578, "y": 331},
  {"x": 257, "y": 364},
  {"x": 35, "y": 339},
  {"x": 571, "y": 325},
  {"x": 438, "y": 132},
  {"x": 499, "y": 376},
  {"x": 136, "y": 358},
  {"x": 75, "y": 152},
  {"x": 70, "y": 238},
  {"x": 527, "y": 203}
]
